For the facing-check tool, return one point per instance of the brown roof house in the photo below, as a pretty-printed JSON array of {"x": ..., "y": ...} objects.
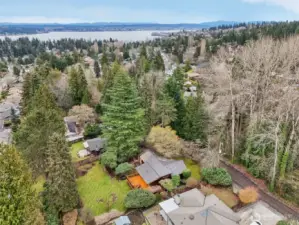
[
  {"x": 194, "y": 208},
  {"x": 155, "y": 168}
]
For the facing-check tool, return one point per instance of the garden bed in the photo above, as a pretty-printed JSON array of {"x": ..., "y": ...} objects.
[
  {"x": 224, "y": 194},
  {"x": 136, "y": 217},
  {"x": 193, "y": 167},
  {"x": 97, "y": 184}
]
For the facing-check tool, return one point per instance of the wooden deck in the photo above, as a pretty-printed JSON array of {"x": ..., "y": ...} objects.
[{"x": 136, "y": 181}]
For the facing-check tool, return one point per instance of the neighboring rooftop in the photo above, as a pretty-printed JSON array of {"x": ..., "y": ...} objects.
[
  {"x": 194, "y": 208},
  {"x": 155, "y": 168},
  {"x": 259, "y": 211},
  {"x": 5, "y": 110},
  {"x": 123, "y": 220},
  {"x": 5, "y": 136},
  {"x": 95, "y": 144}
]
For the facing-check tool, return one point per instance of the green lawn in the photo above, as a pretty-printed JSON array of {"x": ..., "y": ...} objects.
[
  {"x": 194, "y": 167},
  {"x": 76, "y": 147},
  {"x": 97, "y": 184},
  {"x": 38, "y": 186}
]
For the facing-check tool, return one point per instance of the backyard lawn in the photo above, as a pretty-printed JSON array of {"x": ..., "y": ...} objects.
[
  {"x": 76, "y": 147},
  {"x": 194, "y": 167},
  {"x": 97, "y": 184}
]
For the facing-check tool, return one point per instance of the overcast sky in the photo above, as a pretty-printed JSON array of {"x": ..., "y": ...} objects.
[{"x": 162, "y": 11}]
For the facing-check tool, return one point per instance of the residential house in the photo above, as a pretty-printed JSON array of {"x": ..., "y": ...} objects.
[
  {"x": 88, "y": 60},
  {"x": 123, "y": 220},
  {"x": 5, "y": 134},
  {"x": 194, "y": 208},
  {"x": 190, "y": 90},
  {"x": 6, "y": 110},
  {"x": 73, "y": 131},
  {"x": 95, "y": 145},
  {"x": 155, "y": 168},
  {"x": 259, "y": 213}
]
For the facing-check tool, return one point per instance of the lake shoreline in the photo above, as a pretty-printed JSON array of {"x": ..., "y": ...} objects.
[{"x": 127, "y": 36}]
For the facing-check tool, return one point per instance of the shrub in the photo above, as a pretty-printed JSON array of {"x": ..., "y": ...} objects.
[
  {"x": 164, "y": 195},
  {"x": 167, "y": 184},
  {"x": 191, "y": 182},
  {"x": 248, "y": 195},
  {"x": 124, "y": 168},
  {"x": 176, "y": 180},
  {"x": 92, "y": 131},
  {"x": 217, "y": 176},
  {"x": 283, "y": 222},
  {"x": 7, "y": 123},
  {"x": 139, "y": 198},
  {"x": 165, "y": 141},
  {"x": 109, "y": 159},
  {"x": 186, "y": 173}
]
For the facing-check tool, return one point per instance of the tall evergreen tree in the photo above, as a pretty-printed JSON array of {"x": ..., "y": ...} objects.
[
  {"x": 104, "y": 60},
  {"x": 18, "y": 201},
  {"x": 173, "y": 87},
  {"x": 78, "y": 85},
  {"x": 36, "y": 127},
  {"x": 86, "y": 98},
  {"x": 158, "y": 62},
  {"x": 123, "y": 120},
  {"x": 31, "y": 84},
  {"x": 165, "y": 111},
  {"x": 195, "y": 120},
  {"x": 97, "y": 69},
  {"x": 61, "y": 190},
  {"x": 108, "y": 81},
  {"x": 143, "y": 52},
  {"x": 75, "y": 86}
]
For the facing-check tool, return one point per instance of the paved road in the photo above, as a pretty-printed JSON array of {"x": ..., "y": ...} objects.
[{"x": 243, "y": 181}]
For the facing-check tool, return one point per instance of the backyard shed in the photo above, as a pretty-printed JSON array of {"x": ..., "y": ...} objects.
[
  {"x": 123, "y": 220},
  {"x": 83, "y": 153}
]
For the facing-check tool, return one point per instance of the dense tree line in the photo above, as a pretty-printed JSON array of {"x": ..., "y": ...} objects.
[
  {"x": 40, "y": 138},
  {"x": 260, "y": 85},
  {"x": 276, "y": 30}
]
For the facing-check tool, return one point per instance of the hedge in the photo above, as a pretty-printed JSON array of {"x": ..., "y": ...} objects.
[
  {"x": 124, "y": 168},
  {"x": 139, "y": 198},
  {"x": 217, "y": 176}
]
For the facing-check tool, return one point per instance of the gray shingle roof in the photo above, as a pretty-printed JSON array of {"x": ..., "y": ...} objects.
[
  {"x": 96, "y": 144},
  {"x": 155, "y": 168},
  {"x": 148, "y": 173},
  {"x": 71, "y": 126},
  {"x": 5, "y": 110},
  {"x": 195, "y": 208}
]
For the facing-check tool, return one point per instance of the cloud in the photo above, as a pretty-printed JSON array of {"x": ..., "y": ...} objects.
[
  {"x": 291, "y": 5},
  {"x": 39, "y": 19}
]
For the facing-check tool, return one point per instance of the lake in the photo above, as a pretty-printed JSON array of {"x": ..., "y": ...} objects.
[{"x": 119, "y": 35}]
